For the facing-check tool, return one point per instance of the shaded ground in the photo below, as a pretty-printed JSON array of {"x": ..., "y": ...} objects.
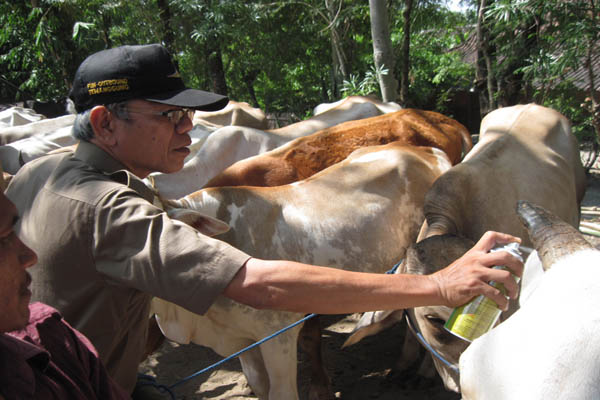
[{"x": 363, "y": 371}]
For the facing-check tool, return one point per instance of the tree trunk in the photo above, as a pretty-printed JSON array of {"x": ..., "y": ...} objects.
[
  {"x": 339, "y": 59},
  {"x": 382, "y": 49},
  {"x": 590, "y": 70},
  {"x": 216, "y": 69},
  {"x": 249, "y": 78},
  {"x": 165, "y": 19},
  {"x": 214, "y": 59},
  {"x": 484, "y": 74},
  {"x": 404, "y": 83}
]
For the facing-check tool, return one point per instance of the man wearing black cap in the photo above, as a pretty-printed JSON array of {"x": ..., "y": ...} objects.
[{"x": 104, "y": 249}]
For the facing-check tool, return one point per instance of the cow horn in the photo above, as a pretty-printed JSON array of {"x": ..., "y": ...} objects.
[{"x": 551, "y": 237}]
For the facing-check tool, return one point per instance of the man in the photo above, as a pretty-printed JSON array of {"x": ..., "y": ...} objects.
[
  {"x": 104, "y": 248},
  {"x": 43, "y": 358}
]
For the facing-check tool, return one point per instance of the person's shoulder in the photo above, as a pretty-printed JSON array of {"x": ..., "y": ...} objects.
[
  {"x": 40, "y": 315},
  {"x": 36, "y": 170},
  {"x": 40, "y": 312}
]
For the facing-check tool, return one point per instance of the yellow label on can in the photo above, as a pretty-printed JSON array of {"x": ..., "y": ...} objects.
[
  {"x": 473, "y": 319},
  {"x": 477, "y": 317}
]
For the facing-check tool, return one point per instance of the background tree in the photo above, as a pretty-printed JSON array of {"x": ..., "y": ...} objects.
[
  {"x": 382, "y": 49},
  {"x": 405, "y": 52},
  {"x": 286, "y": 56},
  {"x": 544, "y": 52}
]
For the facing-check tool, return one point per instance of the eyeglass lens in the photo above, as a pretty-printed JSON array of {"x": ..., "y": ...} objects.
[{"x": 177, "y": 115}]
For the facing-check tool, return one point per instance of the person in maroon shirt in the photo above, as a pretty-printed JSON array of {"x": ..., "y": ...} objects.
[{"x": 41, "y": 355}]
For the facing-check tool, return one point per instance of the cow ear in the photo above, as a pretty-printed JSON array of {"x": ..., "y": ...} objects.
[{"x": 204, "y": 224}]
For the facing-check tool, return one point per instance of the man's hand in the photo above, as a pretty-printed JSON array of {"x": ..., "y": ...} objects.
[{"x": 468, "y": 276}]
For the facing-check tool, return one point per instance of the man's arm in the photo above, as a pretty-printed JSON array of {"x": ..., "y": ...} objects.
[{"x": 291, "y": 286}]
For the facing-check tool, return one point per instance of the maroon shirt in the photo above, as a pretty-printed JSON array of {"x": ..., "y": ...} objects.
[{"x": 48, "y": 359}]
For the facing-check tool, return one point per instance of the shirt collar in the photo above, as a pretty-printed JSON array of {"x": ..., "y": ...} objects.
[
  {"x": 33, "y": 354},
  {"x": 109, "y": 166}
]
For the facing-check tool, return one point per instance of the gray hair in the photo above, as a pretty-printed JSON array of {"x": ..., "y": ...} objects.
[{"x": 82, "y": 127}]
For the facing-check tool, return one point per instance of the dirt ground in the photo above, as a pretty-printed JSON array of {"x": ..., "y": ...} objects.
[{"x": 363, "y": 371}]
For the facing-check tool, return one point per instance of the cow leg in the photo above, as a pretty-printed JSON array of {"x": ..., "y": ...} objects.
[
  {"x": 253, "y": 367},
  {"x": 154, "y": 339},
  {"x": 411, "y": 352},
  {"x": 415, "y": 366},
  {"x": 280, "y": 361},
  {"x": 310, "y": 343}
]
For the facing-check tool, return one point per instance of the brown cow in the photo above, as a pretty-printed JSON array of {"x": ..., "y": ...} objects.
[
  {"x": 230, "y": 144},
  {"x": 302, "y": 157}
]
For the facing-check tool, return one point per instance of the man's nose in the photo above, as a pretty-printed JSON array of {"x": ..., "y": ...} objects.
[
  {"x": 184, "y": 125},
  {"x": 27, "y": 257}
]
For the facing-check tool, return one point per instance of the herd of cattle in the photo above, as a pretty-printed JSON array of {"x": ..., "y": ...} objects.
[{"x": 361, "y": 185}]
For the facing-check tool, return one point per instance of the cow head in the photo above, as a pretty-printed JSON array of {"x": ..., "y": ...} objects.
[{"x": 423, "y": 258}]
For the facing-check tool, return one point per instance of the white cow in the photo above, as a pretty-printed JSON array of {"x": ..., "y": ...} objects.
[
  {"x": 358, "y": 214},
  {"x": 15, "y": 116},
  {"x": 26, "y": 142},
  {"x": 550, "y": 348},
  {"x": 381, "y": 106},
  {"x": 235, "y": 113},
  {"x": 230, "y": 144},
  {"x": 41, "y": 127}
]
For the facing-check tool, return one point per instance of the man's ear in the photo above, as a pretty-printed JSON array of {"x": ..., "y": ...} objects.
[{"x": 102, "y": 121}]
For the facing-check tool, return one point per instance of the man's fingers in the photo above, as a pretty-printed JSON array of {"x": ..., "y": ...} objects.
[
  {"x": 504, "y": 258},
  {"x": 496, "y": 296},
  {"x": 491, "y": 239},
  {"x": 506, "y": 278}
]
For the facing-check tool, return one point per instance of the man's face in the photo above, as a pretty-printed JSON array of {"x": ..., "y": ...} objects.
[
  {"x": 151, "y": 143},
  {"x": 15, "y": 257}
]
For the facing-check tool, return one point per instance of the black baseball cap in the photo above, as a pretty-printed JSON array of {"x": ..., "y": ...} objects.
[{"x": 136, "y": 72}]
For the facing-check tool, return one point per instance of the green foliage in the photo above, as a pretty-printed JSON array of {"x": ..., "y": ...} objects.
[
  {"x": 436, "y": 71},
  {"x": 368, "y": 86},
  {"x": 277, "y": 55},
  {"x": 565, "y": 32},
  {"x": 41, "y": 47},
  {"x": 567, "y": 99}
]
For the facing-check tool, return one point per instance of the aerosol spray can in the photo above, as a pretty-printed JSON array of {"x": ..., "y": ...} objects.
[{"x": 477, "y": 317}]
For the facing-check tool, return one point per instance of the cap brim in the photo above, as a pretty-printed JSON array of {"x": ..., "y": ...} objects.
[{"x": 191, "y": 98}]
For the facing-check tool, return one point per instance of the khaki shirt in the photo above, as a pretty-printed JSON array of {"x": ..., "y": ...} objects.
[{"x": 104, "y": 250}]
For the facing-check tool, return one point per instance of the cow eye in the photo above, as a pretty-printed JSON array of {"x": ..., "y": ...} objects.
[{"x": 432, "y": 319}]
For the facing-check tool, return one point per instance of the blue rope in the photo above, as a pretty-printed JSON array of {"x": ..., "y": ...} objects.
[
  {"x": 242, "y": 351},
  {"x": 420, "y": 337},
  {"x": 168, "y": 389},
  {"x": 394, "y": 268}
]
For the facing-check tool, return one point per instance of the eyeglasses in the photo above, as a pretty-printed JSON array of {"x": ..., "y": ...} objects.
[{"x": 175, "y": 115}]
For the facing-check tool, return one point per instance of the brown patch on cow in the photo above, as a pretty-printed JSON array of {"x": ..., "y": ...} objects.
[{"x": 308, "y": 155}]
